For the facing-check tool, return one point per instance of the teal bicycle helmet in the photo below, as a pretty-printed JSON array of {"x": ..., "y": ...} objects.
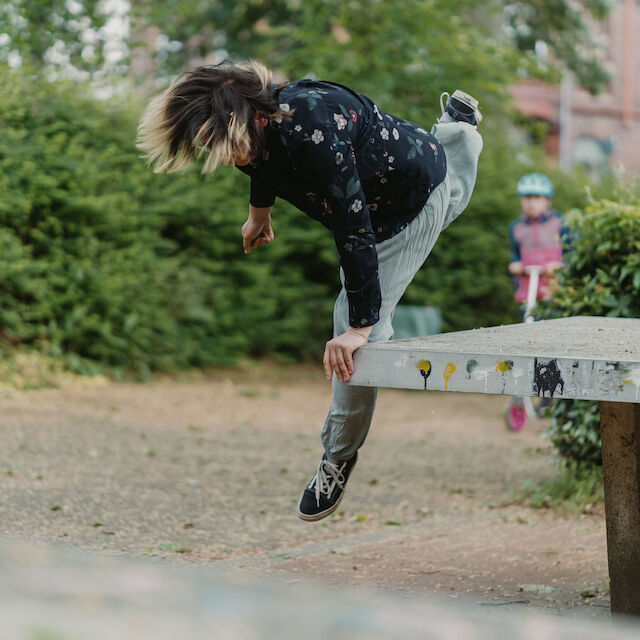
[{"x": 535, "y": 184}]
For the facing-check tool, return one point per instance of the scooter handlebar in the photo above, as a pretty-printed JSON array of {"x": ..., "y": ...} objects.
[{"x": 533, "y": 268}]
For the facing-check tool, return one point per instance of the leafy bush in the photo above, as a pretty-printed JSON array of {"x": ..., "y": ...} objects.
[
  {"x": 103, "y": 259},
  {"x": 575, "y": 430},
  {"x": 601, "y": 277}
]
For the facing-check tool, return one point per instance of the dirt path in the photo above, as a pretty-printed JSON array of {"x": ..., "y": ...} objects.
[{"x": 209, "y": 470}]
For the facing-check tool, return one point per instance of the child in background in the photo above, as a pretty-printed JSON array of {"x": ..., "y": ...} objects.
[
  {"x": 536, "y": 237},
  {"x": 536, "y": 241}
]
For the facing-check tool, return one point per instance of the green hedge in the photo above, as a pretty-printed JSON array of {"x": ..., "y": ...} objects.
[
  {"x": 104, "y": 260},
  {"x": 601, "y": 277}
]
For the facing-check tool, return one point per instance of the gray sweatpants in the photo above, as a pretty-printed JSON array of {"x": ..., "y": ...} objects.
[{"x": 399, "y": 259}]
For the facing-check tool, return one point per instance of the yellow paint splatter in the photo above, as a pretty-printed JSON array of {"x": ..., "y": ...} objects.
[
  {"x": 424, "y": 366},
  {"x": 449, "y": 370},
  {"x": 503, "y": 367}
]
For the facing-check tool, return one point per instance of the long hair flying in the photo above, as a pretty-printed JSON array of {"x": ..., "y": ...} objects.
[{"x": 211, "y": 110}]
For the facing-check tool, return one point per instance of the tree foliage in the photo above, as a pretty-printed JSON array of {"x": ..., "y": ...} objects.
[
  {"x": 418, "y": 40},
  {"x": 565, "y": 26},
  {"x": 59, "y": 34}
]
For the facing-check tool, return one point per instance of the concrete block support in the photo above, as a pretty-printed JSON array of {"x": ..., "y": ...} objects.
[{"x": 620, "y": 426}]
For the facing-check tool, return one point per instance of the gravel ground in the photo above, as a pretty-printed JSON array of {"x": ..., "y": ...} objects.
[{"x": 208, "y": 470}]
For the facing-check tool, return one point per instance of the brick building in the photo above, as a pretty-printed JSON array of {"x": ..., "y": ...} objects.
[{"x": 597, "y": 131}]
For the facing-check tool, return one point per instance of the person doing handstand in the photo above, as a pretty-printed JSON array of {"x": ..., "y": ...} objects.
[{"x": 385, "y": 187}]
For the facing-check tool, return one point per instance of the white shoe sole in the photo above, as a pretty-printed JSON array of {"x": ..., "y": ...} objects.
[{"x": 322, "y": 514}]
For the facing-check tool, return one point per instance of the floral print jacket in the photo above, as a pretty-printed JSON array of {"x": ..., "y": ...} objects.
[{"x": 363, "y": 173}]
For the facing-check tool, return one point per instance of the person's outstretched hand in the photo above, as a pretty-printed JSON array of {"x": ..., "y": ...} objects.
[
  {"x": 338, "y": 353},
  {"x": 256, "y": 231}
]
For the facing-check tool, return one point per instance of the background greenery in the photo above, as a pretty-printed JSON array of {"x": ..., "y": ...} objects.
[
  {"x": 601, "y": 277},
  {"x": 104, "y": 262}
]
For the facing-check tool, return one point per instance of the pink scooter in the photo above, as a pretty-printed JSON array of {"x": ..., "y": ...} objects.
[{"x": 522, "y": 407}]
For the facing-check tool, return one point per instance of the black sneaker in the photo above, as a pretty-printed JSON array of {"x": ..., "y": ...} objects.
[
  {"x": 461, "y": 107},
  {"x": 323, "y": 494}
]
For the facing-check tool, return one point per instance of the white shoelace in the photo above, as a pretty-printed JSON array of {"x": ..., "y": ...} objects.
[
  {"x": 327, "y": 477},
  {"x": 443, "y": 103}
]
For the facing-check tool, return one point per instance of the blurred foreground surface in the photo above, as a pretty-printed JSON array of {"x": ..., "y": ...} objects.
[{"x": 47, "y": 594}]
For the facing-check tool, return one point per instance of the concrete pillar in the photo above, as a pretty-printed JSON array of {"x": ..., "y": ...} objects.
[{"x": 620, "y": 426}]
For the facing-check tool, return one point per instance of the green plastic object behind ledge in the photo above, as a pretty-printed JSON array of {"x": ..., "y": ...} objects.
[{"x": 412, "y": 321}]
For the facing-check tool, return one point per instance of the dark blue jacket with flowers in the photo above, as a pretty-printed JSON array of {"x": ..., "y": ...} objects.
[{"x": 363, "y": 173}]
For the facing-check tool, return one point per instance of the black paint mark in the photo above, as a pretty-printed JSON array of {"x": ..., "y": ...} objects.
[
  {"x": 425, "y": 370},
  {"x": 546, "y": 377}
]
